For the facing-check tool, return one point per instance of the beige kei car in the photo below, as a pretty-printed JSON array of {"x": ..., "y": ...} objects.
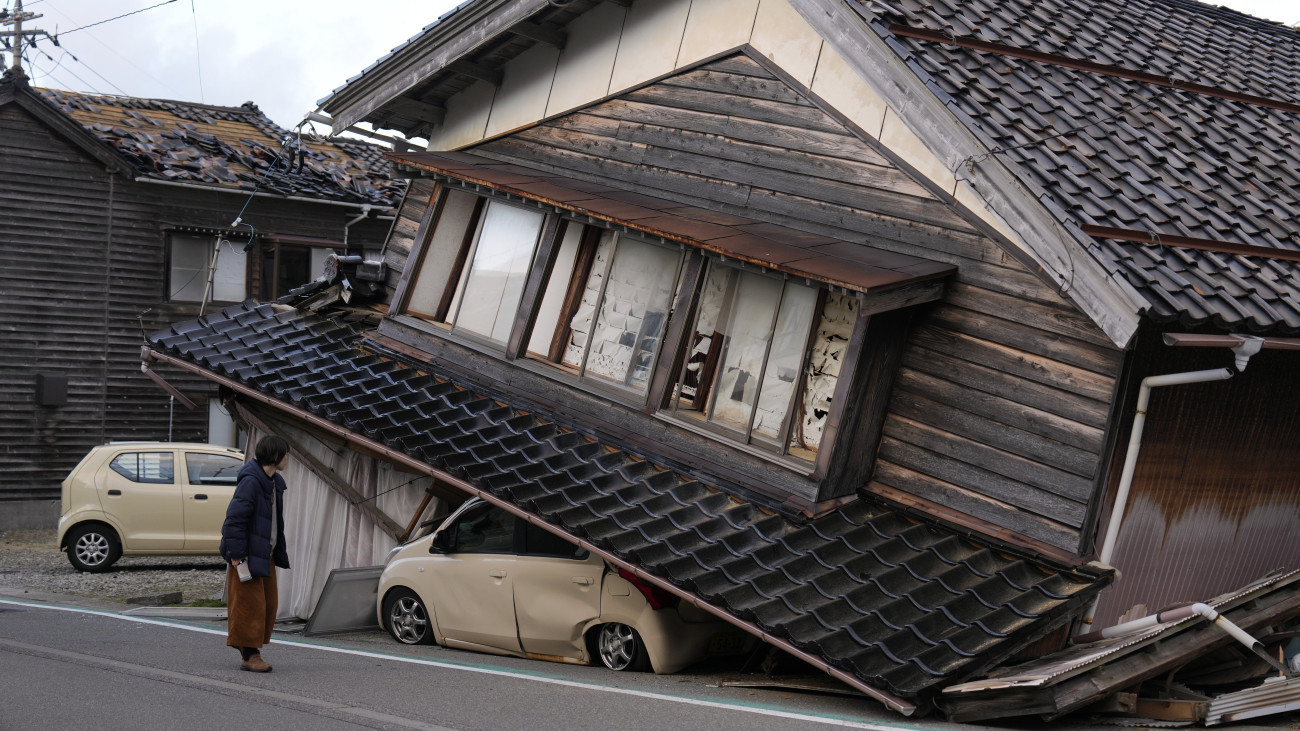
[
  {"x": 146, "y": 498},
  {"x": 490, "y": 582}
]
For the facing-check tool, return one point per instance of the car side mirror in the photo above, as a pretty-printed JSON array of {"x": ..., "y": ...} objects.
[{"x": 443, "y": 542}]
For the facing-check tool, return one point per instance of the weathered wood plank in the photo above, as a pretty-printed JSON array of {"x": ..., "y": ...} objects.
[
  {"x": 835, "y": 143},
  {"x": 1027, "y": 366},
  {"x": 755, "y": 109},
  {"x": 897, "y": 483},
  {"x": 740, "y": 64},
  {"x": 688, "y": 188},
  {"x": 1028, "y": 484},
  {"x": 1070, "y": 434},
  {"x": 849, "y": 172},
  {"x": 1062, "y": 319},
  {"x": 975, "y": 376},
  {"x": 952, "y": 416},
  {"x": 721, "y": 82},
  {"x": 1102, "y": 360},
  {"x": 879, "y": 201}
]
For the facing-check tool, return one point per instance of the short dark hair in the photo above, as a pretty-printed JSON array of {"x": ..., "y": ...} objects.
[{"x": 270, "y": 450}]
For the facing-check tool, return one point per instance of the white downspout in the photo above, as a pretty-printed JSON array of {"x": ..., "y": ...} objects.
[
  {"x": 365, "y": 213},
  {"x": 1242, "y": 354}
]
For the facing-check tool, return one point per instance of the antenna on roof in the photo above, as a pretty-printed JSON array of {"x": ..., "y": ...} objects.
[{"x": 15, "y": 19}]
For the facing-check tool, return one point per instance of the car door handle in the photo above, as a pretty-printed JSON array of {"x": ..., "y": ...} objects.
[
  {"x": 497, "y": 574},
  {"x": 583, "y": 580},
  {"x": 200, "y": 496},
  {"x": 114, "y": 492}
]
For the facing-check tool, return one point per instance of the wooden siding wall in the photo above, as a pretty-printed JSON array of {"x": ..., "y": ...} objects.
[
  {"x": 1001, "y": 405},
  {"x": 402, "y": 237},
  {"x": 85, "y": 272}
]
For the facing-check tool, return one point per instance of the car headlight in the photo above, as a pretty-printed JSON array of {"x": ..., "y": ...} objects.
[{"x": 391, "y": 554}]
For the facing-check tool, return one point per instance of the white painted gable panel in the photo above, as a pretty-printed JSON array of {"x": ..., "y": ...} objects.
[
  {"x": 525, "y": 87},
  {"x": 714, "y": 26},
  {"x": 652, "y": 38},
  {"x": 782, "y": 35},
  {"x": 587, "y": 61}
]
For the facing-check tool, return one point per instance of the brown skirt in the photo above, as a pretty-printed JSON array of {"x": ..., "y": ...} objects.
[{"x": 250, "y": 609}]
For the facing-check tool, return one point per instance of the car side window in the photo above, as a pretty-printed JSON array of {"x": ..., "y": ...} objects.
[
  {"x": 212, "y": 469},
  {"x": 541, "y": 542},
  {"x": 485, "y": 529},
  {"x": 145, "y": 467}
]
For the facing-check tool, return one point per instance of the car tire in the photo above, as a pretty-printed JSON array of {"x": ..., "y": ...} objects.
[
  {"x": 619, "y": 647},
  {"x": 93, "y": 548},
  {"x": 406, "y": 618}
]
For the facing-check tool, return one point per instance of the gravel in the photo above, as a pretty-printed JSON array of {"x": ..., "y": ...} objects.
[{"x": 30, "y": 562}]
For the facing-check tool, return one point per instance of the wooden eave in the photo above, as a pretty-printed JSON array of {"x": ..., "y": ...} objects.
[
  {"x": 385, "y": 93},
  {"x": 31, "y": 102},
  {"x": 1055, "y": 246},
  {"x": 851, "y": 265}
]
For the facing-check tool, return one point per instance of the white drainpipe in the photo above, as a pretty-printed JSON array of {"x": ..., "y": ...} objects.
[
  {"x": 1242, "y": 354},
  {"x": 1179, "y": 613}
]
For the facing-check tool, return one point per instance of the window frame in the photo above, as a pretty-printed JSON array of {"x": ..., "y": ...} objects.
[
  {"x": 584, "y": 264},
  {"x": 693, "y": 268},
  {"x": 173, "y": 238},
  {"x": 669, "y": 407}
]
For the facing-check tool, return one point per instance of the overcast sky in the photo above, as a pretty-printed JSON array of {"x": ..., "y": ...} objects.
[{"x": 285, "y": 55}]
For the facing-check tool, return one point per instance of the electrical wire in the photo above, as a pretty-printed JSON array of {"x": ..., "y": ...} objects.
[
  {"x": 198, "y": 58},
  {"x": 178, "y": 94},
  {"x": 89, "y": 68},
  {"x": 109, "y": 20}
]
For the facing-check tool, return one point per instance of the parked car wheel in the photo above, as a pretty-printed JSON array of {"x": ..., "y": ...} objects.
[
  {"x": 620, "y": 647},
  {"x": 93, "y": 548},
  {"x": 406, "y": 618}
]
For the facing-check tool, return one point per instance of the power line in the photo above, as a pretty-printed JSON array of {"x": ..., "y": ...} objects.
[
  {"x": 198, "y": 58},
  {"x": 89, "y": 68},
  {"x": 109, "y": 20},
  {"x": 112, "y": 50}
]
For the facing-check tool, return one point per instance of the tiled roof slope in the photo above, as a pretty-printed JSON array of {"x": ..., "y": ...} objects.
[
  {"x": 229, "y": 147},
  {"x": 904, "y": 606},
  {"x": 1108, "y": 151}
]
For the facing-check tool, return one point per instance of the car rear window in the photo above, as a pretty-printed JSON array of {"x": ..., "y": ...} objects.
[
  {"x": 147, "y": 467},
  {"x": 212, "y": 469}
]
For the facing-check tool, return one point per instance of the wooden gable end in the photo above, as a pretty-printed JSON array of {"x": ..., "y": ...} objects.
[{"x": 999, "y": 415}]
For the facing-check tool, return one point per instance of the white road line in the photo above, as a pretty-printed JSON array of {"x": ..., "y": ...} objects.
[
  {"x": 829, "y": 721},
  {"x": 259, "y": 695}
]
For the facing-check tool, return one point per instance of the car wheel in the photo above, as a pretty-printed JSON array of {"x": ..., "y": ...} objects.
[
  {"x": 620, "y": 647},
  {"x": 93, "y": 548},
  {"x": 406, "y": 618}
]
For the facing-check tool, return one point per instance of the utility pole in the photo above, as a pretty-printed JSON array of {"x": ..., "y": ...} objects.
[{"x": 14, "y": 38}]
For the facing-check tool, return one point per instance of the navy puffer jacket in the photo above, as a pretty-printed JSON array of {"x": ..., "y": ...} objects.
[{"x": 247, "y": 530}]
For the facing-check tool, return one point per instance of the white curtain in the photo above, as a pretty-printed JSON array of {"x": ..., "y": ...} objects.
[{"x": 323, "y": 531}]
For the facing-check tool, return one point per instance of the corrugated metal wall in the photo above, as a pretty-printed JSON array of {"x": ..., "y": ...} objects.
[
  {"x": 83, "y": 268},
  {"x": 1215, "y": 501}
]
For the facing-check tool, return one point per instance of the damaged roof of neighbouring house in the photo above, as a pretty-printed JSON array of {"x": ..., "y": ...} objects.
[
  {"x": 229, "y": 147},
  {"x": 1169, "y": 119},
  {"x": 899, "y": 605}
]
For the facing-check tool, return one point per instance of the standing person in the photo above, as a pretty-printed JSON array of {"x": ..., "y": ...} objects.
[{"x": 254, "y": 534}]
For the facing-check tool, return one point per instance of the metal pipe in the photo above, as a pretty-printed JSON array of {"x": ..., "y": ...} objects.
[
  {"x": 351, "y": 438},
  {"x": 1242, "y": 354},
  {"x": 365, "y": 213},
  {"x": 1180, "y": 613}
]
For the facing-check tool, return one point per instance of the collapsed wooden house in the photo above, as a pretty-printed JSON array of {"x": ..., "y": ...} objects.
[{"x": 856, "y": 301}]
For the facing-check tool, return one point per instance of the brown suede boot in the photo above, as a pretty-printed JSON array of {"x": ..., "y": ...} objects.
[{"x": 255, "y": 664}]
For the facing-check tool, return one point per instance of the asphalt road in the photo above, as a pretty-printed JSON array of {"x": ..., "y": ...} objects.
[{"x": 65, "y": 666}]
